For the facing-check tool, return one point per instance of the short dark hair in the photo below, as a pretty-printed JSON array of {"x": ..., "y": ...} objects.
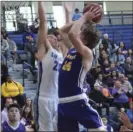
[
  {"x": 13, "y": 105},
  {"x": 90, "y": 34},
  {"x": 76, "y": 10}
]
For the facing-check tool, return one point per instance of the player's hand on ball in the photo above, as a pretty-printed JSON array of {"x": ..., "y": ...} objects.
[
  {"x": 92, "y": 13},
  {"x": 96, "y": 10}
]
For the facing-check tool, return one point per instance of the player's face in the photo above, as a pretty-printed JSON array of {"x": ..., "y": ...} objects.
[
  {"x": 53, "y": 41},
  {"x": 14, "y": 114}
]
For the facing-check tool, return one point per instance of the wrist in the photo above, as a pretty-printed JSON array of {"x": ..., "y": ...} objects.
[
  {"x": 68, "y": 11},
  {"x": 83, "y": 19}
]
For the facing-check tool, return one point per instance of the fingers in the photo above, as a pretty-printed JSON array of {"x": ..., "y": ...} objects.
[
  {"x": 96, "y": 11},
  {"x": 91, "y": 9},
  {"x": 123, "y": 114}
]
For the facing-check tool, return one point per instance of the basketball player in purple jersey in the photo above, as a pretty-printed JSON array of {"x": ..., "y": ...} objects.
[{"x": 73, "y": 107}]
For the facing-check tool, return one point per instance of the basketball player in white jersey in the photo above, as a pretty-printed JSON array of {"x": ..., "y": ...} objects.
[{"x": 50, "y": 58}]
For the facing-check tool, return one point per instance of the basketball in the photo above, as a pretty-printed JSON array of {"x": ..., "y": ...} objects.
[{"x": 87, "y": 8}]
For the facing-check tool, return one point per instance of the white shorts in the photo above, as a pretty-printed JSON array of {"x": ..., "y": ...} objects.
[{"x": 45, "y": 113}]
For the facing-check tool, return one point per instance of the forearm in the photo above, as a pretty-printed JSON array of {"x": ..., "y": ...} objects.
[
  {"x": 66, "y": 28},
  {"x": 42, "y": 33},
  {"x": 76, "y": 28},
  {"x": 68, "y": 16},
  {"x": 41, "y": 13},
  {"x": 64, "y": 34}
]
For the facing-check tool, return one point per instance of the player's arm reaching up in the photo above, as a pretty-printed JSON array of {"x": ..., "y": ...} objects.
[
  {"x": 43, "y": 44},
  {"x": 66, "y": 28},
  {"x": 75, "y": 37}
]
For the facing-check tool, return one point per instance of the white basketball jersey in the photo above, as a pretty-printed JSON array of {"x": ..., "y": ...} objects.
[{"x": 48, "y": 73}]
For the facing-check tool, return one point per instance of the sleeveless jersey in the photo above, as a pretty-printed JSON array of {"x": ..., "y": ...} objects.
[
  {"x": 72, "y": 75},
  {"x": 48, "y": 73},
  {"x": 7, "y": 128}
]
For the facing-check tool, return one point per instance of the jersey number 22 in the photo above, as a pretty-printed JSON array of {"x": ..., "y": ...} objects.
[{"x": 56, "y": 66}]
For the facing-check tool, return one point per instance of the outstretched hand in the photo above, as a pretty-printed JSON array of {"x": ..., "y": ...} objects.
[
  {"x": 92, "y": 13},
  {"x": 124, "y": 119},
  {"x": 68, "y": 7}
]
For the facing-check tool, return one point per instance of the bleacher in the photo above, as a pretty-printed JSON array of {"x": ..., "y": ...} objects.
[{"x": 116, "y": 33}]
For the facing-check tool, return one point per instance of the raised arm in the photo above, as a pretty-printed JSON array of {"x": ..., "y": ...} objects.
[
  {"x": 74, "y": 33},
  {"x": 66, "y": 28},
  {"x": 42, "y": 43}
]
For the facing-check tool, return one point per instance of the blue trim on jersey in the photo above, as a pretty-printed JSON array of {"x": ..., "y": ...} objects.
[{"x": 38, "y": 91}]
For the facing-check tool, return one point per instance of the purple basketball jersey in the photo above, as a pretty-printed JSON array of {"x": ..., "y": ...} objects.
[{"x": 7, "y": 128}]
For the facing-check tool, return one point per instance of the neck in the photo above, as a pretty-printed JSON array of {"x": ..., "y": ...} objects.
[
  {"x": 13, "y": 123},
  {"x": 26, "y": 115},
  {"x": 10, "y": 82},
  {"x": 57, "y": 48},
  {"x": 28, "y": 105}
]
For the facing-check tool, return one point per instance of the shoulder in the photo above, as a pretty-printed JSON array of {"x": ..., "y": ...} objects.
[
  {"x": 50, "y": 53},
  {"x": 21, "y": 124},
  {"x": 4, "y": 123},
  {"x": 3, "y": 85}
]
